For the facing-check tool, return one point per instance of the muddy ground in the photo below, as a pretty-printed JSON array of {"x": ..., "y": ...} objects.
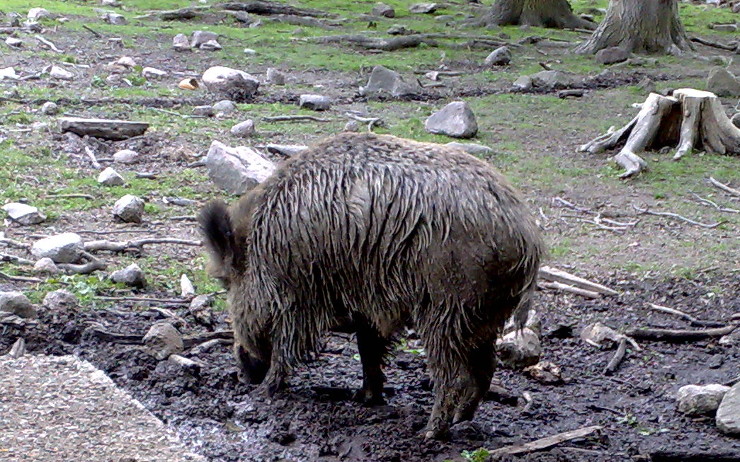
[{"x": 534, "y": 136}]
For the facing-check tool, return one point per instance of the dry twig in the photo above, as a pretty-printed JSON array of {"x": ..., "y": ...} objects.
[
  {"x": 94, "y": 246},
  {"x": 294, "y": 118},
  {"x": 618, "y": 357},
  {"x": 647, "y": 211},
  {"x": 8, "y": 277},
  {"x": 724, "y": 187},
  {"x": 678, "y": 336},
  {"x": 686, "y": 316},
  {"x": 568, "y": 288},
  {"x": 554, "y": 274},
  {"x": 547, "y": 442},
  {"x": 714, "y": 204}
]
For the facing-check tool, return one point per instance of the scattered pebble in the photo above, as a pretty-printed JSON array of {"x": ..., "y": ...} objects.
[
  {"x": 49, "y": 108},
  {"x": 126, "y": 156},
  {"x": 131, "y": 276},
  {"x": 129, "y": 209}
]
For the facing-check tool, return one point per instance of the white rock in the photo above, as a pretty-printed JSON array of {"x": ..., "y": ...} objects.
[
  {"x": 250, "y": 52},
  {"x": 231, "y": 83},
  {"x": 202, "y": 36},
  {"x": 115, "y": 19},
  {"x": 38, "y": 13},
  {"x": 163, "y": 340},
  {"x": 519, "y": 348},
  {"x": 110, "y": 177},
  {"x": 60, "y": 299},
  {"x": 17, "y": 303},
  {"x": 186, "y": 287},
  {"x": 553, "y": 79},
  {"x": 700, "y": 399},
  {"x": 728, "y": 414},
  {"x": 237, "y": 169},
  {"x": 211, "y": 45},
  {"x": 126, "y": 156},
  {"x": 275, "y": 77},
  {"x": 49, "y": 108},
  {"x": 423, "y": 8},
  {"x": 24, "y": 214},
  {"x": 129, "y": 208},
  {"x": 8, "y": 73},
  {"x": 131, "y": 275},
  {"x": 61, "y": 248},
  {"x": 499, "y": 57},
  {"x": 456, "y": 120},
  {"x": 13, "y": 42},
  {"x": 315, "y": 102},
  {"x": 381, "y": 9},
  {"x": 523, "y": 83},
  {"x": 46, "y": 266},
  {"x": 243, "y": 129},
  {"x": 126, "y": 61},
  {"x": 61, "y": 73},
  {"x": 722, "y": 82},
  {"x": 152, "y": 73},
  {"x": 180, "y": 42}
]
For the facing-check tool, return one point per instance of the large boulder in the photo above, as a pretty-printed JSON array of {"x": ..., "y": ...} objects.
[
  {"x": 229, "y": 83},
  {"x": 456, "y": 120},
  {"x": 237, "y": 169},
  {"x": 384, "y": 82},
  {"x": 612, "y": 55},
  {"x": 728, "y": 414}
]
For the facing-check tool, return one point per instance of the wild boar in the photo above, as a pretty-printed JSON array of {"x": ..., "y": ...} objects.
[{"x": 384, "y": 233}]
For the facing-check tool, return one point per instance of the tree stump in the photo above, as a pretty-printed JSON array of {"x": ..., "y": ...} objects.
[{"x": 690, "y": 119}]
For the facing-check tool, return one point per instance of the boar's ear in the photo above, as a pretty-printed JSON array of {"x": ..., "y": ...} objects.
[{"x": 218, "y": 231}]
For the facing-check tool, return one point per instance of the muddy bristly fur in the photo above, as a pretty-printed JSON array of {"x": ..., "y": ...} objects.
[{"x": 386, "y": 233}]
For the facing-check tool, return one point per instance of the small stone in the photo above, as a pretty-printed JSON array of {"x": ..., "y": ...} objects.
[
  {"x": 315, "y": 102},
  {"x": 131, "y": 276},
  {"x": 473, "y": 149},
  {"x": 646, "y": 85},
  {"x": 186, "y": 287},
  {"x": 381, "y": 9},
  {"x": 384, "y": 82},
  {"x": 202, "y": 36},
  {"x": 499, "y": 57},
  {"x": 722, "y": 83},
  {"x": 61, "y": 248},
  {"x": 115, "y": 19},
  {"x": 225, "y": 106},
  {"x": 163, "y": 340},
  {"x": 243, "y": 129},
  {"x": 423, "y": 8},
  {"x": 236, "y": 169},
  {"x": 736, "y": 8},
  {"x": 204, "y": 111},
  {"x": 111, "y": 3},
  {"x": 49, "y": 108},
  {"x": 728, "y": 414},
  {"x": 8, "y": 73},
  {"x": 250, "y": 52},
  {"x": 114, "y": 79},
  {"x": 110, "y": 177},
  {"x": 60, "y": 73},
  {"x": 60, "y": 300},
  {"x": 129, "y": 209},
  {"x": 700, "y": 399},
  {"x": 17, "y": 304},
  {"x": 24, "y": 214},
  {"x": 152, "y": 73},
  {"x": 519, "y": 349},
  {"x": 45, "y": 266},
  {"x": 230, "y": 83},
  {"x": 736, "y": 120},
  {"x": 552, "y": 79},
  {"x": 13, "y": 42},
  {"x": 725, "y": 27},
  {"x": 126, "y": 156},
  {"x": 211, "y": 45},
  {"x": 180, "y": 42},
  {"x": 275, "y": 77},
  {"x": 612, "y": 55},
  {"x": 352, "y": 126},
  {"x": 35, "y": 14},
  {"x": 456, "y": 120},
  {"x": 523, "y": 83},
  {"x": 397, "y": 29}
]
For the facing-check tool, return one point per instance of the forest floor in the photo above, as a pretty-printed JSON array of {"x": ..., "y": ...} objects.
[{"x": 534, "y": 137}]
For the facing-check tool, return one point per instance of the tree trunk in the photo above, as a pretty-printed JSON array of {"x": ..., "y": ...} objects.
[
  {"x": 640, "y": 26},
  {"x": 541, "y": 13}
]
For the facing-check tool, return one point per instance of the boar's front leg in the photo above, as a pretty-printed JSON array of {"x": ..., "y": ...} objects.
[{"x": 373, "y": 349}]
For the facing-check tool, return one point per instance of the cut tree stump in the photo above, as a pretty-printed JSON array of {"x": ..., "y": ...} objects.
[
  {"x": 690, "y": 119},
  {"x": 115, "y": 130}
]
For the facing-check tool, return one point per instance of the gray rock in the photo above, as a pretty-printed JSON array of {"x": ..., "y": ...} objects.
[
  {"x": 456, "y": 120},
  {"x": 381, "y": 9},
  {"x": 186, "y": 287},
  {"x": 35, "y": 14},
  {"x": 204, "y": 111},
  {"x": 552, "y": 79},
  {"x": 24, "y": 214},
  {"x": 275, "y": 77},
  {"x": 728, "y": 414},
  {"x": 237, "y": 169},
  {"x": 700, "y": 399},
  {"x": 722, "y": 83},
  {"x": 61, "y": 248},
  {"x": 384, "y": 82},
  {"x": 397, "y": 29},
  {"x": 287, "y": 150},
  {"x": 315, "y": 102},
  {"x": 17, "y": 304},
  {"x": 250, "y": 52},
  {"x": 180, "y": 42},
  {"x": 725, "y": 27},
  {"x": 612, "y": 55},
  {"x": 499, "y": 57},
  {"x": 211, "y": 45},
  {"x": 129, "y": 208},
  {"x": 152, "y": 73},
  {"x": 60, "y": 300},
  {"x": 60, "y": 73},
  {"x": 230, "y": 83},
  {"x": 45, "y": 266},
  {"x": 736, "y": 120},
  {"x": 243, "y": 129},
  {"x": 115, "y": 19},
  {"x": 523, "y": 83},
  {"x": 736, "y": 8},
  {"x": 110, "y": 177},
  {"x": 202, "y": 36},
  {"x": 200, "y": 309},
  {"x": 126, "y": 156},
  {"x": 646, "y": 85},
  {"x": 225, "y": 106},
  {"x": 13, "y": 42},
  {"x": 131, "y": 276},
  {"x": 423, "y": 8},
  {"x": 163, "y": 340},
  {"x": 49, "y": 108},
  {"x": 352, "y": 126},
  {"x": 519, "y": 349},
  {"x": 472, "y": 148}
]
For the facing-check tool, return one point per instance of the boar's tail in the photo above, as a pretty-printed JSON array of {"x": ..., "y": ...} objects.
[{"x": 218, "y": 232}]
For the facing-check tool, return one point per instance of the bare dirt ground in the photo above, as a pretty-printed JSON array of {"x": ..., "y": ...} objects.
[{"x": 534, "y": 136}]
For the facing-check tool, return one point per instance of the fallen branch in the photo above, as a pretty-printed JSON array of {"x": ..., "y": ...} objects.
[
  {"x": 92, "y": 157},
  {"x": 694, "y": 321},
  {"x": 47, "y": 43},
  {"x": 567, "y": 288},
  {"x": 712, "y": 44},
  {"x": 70, "y": 196},
  {"x": 678, "y": 336},
  {"x": 12, "y": 243},
  {"x": 192, "y": 340},
  {"x": 618, "y": 357},
  {"x": 724, "y": 187},
  {"x": 553, "y": 274},
  {"x": 94, "y": 246},
  {"x": 370, "y": 43},
  {"x": 547, "y": 442},
  {"x": 294, "y": 118},
  {"x": 8, "y": 277},
  {"x": 647, "y": 211},
  {"x": 95, "y": 33},
  {"x": 15, "y": 259},
  {"x": 167, "y": 301},
  {"x": 710, "y": 203},
  {"x": 269, "y": 8}
]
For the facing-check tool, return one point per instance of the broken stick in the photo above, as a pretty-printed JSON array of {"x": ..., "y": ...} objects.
[
  {"x": 94, "y": 246},
  {"x": 547, "y": 442},
  {"x": 618, "y": 357},
  {"x": 724, "y": 187},
  {"x": 567, "y": 288},
  {"x": 679, "y": 336},
  {"x": 553, "y": 274}
]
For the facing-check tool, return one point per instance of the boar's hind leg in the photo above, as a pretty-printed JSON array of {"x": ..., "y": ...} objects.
[
  {"x": 475, "y": 379},
  {"x": 373, "y": 349}
]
